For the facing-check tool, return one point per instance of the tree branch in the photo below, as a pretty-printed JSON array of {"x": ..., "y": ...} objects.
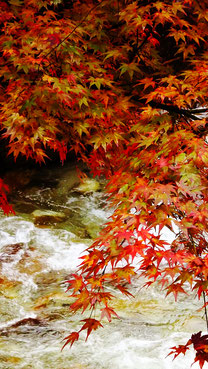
[
  {"x": 176, "y": 109},
  {"x": 73, "y": 30}
]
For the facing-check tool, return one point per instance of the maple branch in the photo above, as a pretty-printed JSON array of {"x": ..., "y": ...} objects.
[
  {"x": 73, "y": 30},
  {"x": 205, "y": 308},
  {"x": 200, "y": 275},
  {"x": 144, "y": 41},
  {"x": 93, "y": 308},
  {"x": 199, "y": 111},
  {"x": 118, "y": 10},
  {"x": 136, "y": 48},
  {"x": 19, "y": 94},
  {"x": 176, "y": 109}
]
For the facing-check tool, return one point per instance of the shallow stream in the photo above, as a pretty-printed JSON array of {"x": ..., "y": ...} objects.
[{"x": 36, "y": 259}]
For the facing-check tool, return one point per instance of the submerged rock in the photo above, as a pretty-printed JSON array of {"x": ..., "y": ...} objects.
[
  {"x": 8, "y": 285},
  {"x": 10, "y": 359},
  {"x": 54, "y": 298},
  {"x": 47, "y": 217},
  {"x": 48, "y": 278},
  {"x": 30, "y": 265},
  {"x": 9, "y": 295}
]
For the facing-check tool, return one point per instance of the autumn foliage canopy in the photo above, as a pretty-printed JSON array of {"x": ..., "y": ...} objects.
[{"x": 123, "y": 84}]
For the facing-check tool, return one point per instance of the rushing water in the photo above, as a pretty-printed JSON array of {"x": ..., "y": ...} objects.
[{"x": 34, "y": 308}]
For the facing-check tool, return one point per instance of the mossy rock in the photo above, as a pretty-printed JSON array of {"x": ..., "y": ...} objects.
[
  {"x": 68, "y": 181},
  {"x": 88, "y": 185}
]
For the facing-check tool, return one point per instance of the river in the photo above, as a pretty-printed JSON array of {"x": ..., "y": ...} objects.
[{"x": 38, "y": 256}]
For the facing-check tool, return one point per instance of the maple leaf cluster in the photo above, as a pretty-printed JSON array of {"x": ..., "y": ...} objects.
[
  {"x": 200, "y": 343},
  {"x": 123, "y": 84}
]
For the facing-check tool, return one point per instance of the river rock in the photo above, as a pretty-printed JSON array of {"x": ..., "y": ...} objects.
[
  {"x": 54, "y": 298},
  {"x": 9, "y": 360},
  {"x": 30, "y": 265},
  {"x": 47, "y": 217},
  {"x": 27, "y": 321},
  {"x": 8, "y": 252},
  {"x": 9, "y": 291},
  {"x": 68, "y": 181},
  {"x": 48, "y": 278},
  {"x": 24, "y": 207},
  {"x": 23, "y": 325},
  {"x": 89, "y": 185}
]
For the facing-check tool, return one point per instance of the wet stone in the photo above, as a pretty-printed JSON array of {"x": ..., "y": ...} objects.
[
  {"x": 9, "y": 290},
  {"x": 26, "y": 326},
  {"x": 47, "y": 217},
  {"x": 88, "y": 186},
  {"x": 30, "y": 265},
  {"x": 50, "y": 278},
  {"x": 26, "y": 321},
  {"x": 67, "y": 182},
  {"x": 8, "y": 253},
  {"x": 54, "y": 299},
  {"x": 24, "y": 207}
]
